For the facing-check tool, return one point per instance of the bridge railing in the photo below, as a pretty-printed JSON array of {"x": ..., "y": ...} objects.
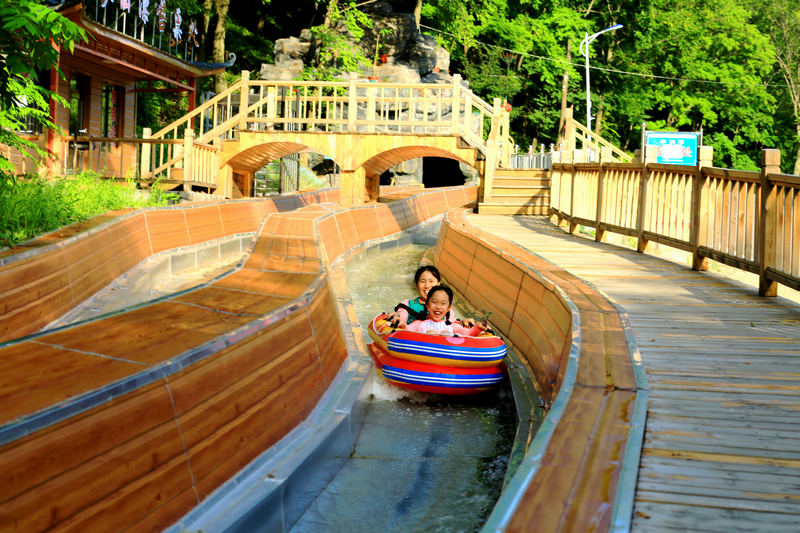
[
  {"x": 745, "y": 219},
  {"x": 353, "y": 106}
]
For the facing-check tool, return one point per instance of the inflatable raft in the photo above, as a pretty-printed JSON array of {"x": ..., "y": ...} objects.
[{"x": 441, "y": 364}]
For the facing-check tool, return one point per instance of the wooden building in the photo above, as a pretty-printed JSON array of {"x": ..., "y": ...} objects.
[{"x": 133, "y": 46}]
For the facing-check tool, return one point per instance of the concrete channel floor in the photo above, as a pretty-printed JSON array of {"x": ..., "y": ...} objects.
[{"x": 722, "y": 440}]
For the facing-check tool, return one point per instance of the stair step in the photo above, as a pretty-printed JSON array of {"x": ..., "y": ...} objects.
[
  {"x": 531, "y": 182},
  {"x": 521, "y": 197},
  {"x": 493, "y": 208},
  {"x": 512, "y": 189}
]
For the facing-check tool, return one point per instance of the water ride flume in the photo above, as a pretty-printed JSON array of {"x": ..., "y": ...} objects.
[{"x": 433, "y": 363}]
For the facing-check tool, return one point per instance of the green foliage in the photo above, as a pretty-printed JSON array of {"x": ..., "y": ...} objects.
[
  {"x": 336, "y": 42},
  {"x": 28, "y": 33},
  {"x": 675, "y": 65},
  {"x": 32, "y": 206}
]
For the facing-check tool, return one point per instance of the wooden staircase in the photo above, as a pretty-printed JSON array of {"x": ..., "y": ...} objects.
[{"x": 517, "y": 191}]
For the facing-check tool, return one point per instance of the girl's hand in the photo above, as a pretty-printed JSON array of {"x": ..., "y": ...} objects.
[
  {"x": 468, "y": 322},
  {"x": 394, "y": 319}
]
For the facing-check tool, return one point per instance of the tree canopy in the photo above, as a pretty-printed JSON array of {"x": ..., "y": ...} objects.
[{"x": 730, "y": 68}]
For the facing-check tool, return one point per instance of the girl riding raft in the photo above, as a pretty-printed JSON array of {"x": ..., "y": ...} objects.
[
  {"x": 438, "y": 304},
  {"x": 425, "y": 278}
]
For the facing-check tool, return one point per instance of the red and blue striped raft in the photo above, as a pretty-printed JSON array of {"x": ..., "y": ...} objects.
[{"x": 441, "y": 364}]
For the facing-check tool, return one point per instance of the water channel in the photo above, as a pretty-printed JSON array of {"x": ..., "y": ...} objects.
[{"x": 421, "y": 462}]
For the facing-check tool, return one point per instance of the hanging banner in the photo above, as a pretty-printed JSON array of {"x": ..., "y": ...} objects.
[{"x": 672, "y": 147}]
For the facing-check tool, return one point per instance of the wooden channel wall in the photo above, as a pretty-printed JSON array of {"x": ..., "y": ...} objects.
[
  {"x": 535, "y": 305},
  {"x": 129, "y": 421}
]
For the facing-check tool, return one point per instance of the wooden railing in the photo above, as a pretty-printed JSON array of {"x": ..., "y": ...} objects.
[
  {"x": 354, "y": 106},
  {"x": 746, "y": 219},
  {"x": 585, "y": 145}
]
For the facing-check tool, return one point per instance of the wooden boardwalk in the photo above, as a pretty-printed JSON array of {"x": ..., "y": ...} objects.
[{"x": 722, "y": 441}]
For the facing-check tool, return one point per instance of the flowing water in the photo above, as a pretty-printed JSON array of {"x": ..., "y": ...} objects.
[{"x": 421, "y": 462}]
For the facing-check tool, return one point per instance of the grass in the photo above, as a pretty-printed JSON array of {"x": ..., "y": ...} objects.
[{"x": 31, "y": 205}]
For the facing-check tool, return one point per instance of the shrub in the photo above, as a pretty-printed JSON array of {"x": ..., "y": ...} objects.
[{"x": 31, "y": 205}]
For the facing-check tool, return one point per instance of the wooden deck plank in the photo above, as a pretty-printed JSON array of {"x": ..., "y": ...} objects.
[{"x": 721, "y": 448}]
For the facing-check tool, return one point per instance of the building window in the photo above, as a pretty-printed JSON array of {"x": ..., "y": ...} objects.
[
  {"x": 112, "y": 110},
  {"x": 79, "y": 86}
]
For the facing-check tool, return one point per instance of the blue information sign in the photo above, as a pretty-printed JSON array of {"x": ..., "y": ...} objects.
[{"x": 672, "y": 147}]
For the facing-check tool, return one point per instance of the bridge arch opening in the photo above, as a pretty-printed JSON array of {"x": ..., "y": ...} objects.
[
  {"x": 443, "y": 168},
  {"x": 273, "y": 167}
]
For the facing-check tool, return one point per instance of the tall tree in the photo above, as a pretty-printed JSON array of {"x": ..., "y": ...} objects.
[
  {"x": 782, "y": 24},
  {"x": 703, "y": 66},
  {"x": 221, "y": 11}
]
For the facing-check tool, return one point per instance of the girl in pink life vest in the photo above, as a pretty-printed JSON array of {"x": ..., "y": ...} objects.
[
  {"x": 425, "y": 278},
  {"x": 438, "y": 305}
]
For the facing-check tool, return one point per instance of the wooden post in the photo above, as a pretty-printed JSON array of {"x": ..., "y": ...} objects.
[
  {"x": 564, "y": 197},
  {"x": 371, "y": 98},
  {"x": 147, "y": 150},
  {"x": 188, "y": 154},
  {"x": 455, "y": 102},
  {"x": 492, "y": 147},
  {"x": 605, "y": 156},
  {"x": 767, "y": 224},
  {"x": 641, "y": 241},
  {"x": 272, "y": 106},
  {"x": 467, "y": 114},
  {"x": 699, "y": 213},
  {"x": 244, "y": 99},
  {"x": 573, "y": 171},
  {"x": 352, "y": 186},
  {"x": 352, "y": 106}
]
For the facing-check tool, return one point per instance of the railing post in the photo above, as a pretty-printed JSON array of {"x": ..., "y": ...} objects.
[
  {"x": 188, "y": 155},
  {"x": 371, "y": 98},
  {"x": 244, "y": 99},
  {"x": 641, "y": 241},
  {"x": 699, "y": 214},
  {"x": 272, "y": 106},
  {"x": 565, "y": 189},
  {"x": 767, "y": 224},
  {"x": 456, "y": 102},
  {"x": 467, "y": 114},
  {"x": 573, "y": 171},
  {"x": 147, "y": 150},
  {"x": 352, "y": 106},
  {"x": 491, "y": 152},
  {"x": 605, "y": 156},
  {"x": 505, "y": 138}
]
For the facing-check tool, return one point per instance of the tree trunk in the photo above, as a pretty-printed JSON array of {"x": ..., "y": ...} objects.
[
  {"x": 208, "y": 8},
  {"x": 796, "y": 170},
  {"x": 598, "y": 118},
  {"x": 418, "y": 12},
  {"x": 565, "y": 88},
  {"x": 221, "y": 10}
]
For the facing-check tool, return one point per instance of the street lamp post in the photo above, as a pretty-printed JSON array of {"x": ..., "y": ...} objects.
[{"x": 584, "y": 49}]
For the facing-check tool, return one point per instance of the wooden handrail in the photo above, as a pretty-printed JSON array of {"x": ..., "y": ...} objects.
[
  {"x": 744, "y": 219},
  {"x": 591, "y": 138}
]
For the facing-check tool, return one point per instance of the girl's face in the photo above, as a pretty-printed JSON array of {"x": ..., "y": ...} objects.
[
  {"x": 438, "y": 305},
  {"x": 425, "y": 283}
]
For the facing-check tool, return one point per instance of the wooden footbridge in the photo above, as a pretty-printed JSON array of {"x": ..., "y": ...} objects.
[{"x": 364, "y": 127}]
